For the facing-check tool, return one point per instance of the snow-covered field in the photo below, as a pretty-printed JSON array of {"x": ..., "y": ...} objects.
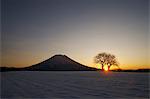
[{"x": 74, "y": 84}]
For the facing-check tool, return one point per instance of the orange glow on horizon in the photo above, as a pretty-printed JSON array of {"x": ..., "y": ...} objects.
[
  {"x": 98, "y": 66},
  {"x": 106, "y": 68}
]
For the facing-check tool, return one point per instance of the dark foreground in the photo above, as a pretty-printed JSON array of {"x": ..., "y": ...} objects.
[{"x": 74, "y": 84}]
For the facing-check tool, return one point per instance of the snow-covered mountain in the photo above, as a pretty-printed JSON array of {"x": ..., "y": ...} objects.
[{"x": 59, "y": 62}]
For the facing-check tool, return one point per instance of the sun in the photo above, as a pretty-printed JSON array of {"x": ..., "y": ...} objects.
[{"x": 106, "y": 68}]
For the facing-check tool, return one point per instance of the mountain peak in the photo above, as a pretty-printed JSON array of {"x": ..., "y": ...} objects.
[{"x": 59, "y": 55}]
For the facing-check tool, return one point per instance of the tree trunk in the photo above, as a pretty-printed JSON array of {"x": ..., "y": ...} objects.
[{"x": 109, "y": 67}]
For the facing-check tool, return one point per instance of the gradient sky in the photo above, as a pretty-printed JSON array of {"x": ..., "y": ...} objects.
[{"x": 35, "y": 30}]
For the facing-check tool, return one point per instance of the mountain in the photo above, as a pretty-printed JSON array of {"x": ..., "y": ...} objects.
[{"x": 58, "y": 63}]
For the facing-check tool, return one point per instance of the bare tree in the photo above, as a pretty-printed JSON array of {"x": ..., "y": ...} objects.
[
  {"x": 106, "y": 59},
  {"x": 111, "y": 60},
  {"x": 101, "y": 58}
]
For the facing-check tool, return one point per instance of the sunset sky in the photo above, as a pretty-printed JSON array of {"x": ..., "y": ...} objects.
[{"x": 35, "y": 30}]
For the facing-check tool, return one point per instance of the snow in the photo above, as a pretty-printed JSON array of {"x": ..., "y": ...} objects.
[{"x": 74, "y": 84}]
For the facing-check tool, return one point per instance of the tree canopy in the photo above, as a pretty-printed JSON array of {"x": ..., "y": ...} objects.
[{"x": 106, "y": 59}]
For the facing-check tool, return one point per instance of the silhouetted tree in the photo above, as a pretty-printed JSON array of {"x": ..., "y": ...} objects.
[
  {"x": 111, "y": 60},
  {"x": 106, "y": 59},
  {"x": 101, "y": 59}
]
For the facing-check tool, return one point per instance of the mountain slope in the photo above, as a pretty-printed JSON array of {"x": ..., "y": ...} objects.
[{"x": 59, "y": 62}]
